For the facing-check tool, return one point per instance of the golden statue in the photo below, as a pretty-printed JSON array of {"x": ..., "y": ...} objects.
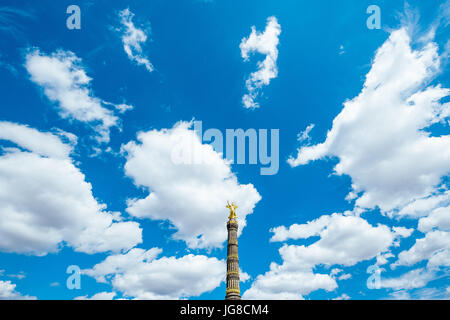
[{"x": 232, "y": 208}]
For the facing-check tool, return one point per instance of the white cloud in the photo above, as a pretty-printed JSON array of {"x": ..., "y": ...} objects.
[
  {"x": 299, "y": 231},
  {"x": 243, "y": 276},
  {"x": 287, "y": 282},
  {"x": 99, "y": 296},
  {"x": 41, "y": 211},
  {"x": 343, "y": 296},
  {"x": 421, "y": 293},
  {"x": 132, "y": 38},
  {"x": 416, "y": 278},
  {"x": 435, "y": 247},
  {"x": 382, "y": 258},
  {"x": 344, "y": 240},
  {"x": 423, "y": 206},
  {"x": 119, "y": 263},
  {"x": 438, "y": 218},
  {"x": 139, "y": 274},
  {"x": 400, "y": 295},
  {"x": 44, "y": 144},
  {"x": 382, "y": 142},
  {"x": 8, "y": 292},
  {"x": 402, "y": 231},
  {"x": 345, "y": 276},
  {"x": 21, "y": 275},
  {"x": 336, "y": 273},
  {"x": 65, "y": 82},
  {"x": 304, "y": 135},
  {"x": 432, "y": 293},
  {"x": 380, "y": 134},
  {"x": 265, "y": 43},
  {"x": 191, "y": 196}
]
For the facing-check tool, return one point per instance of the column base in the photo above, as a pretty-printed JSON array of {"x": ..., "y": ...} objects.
[{"x": 232, "y": 296}]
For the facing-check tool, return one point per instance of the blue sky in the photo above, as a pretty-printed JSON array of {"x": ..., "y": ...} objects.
[{"x": 87, "y": 130}]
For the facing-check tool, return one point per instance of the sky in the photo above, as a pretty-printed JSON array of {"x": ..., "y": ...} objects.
[{"x": 109, "y": 189}]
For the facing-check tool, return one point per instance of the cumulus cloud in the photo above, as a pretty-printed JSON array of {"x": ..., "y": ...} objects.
[
  {"x": 383, "y": 141},
  {"x": 299, "y": 231},
  {"x": 141, "y": 275},
  {"x": 434, "y": 247},
  {"x": 8, "y": 292},
  {"x": 379, "y": 135},
  {"x": 132, "y": 38},
  {"x": 280, "y": 283},
  {"x": 337, "y": 274},
  {"x": 382, "y": 258},
  {"x": 191, "y": 196},
  {"x": 41, "y": 143},
  {"x": 416, "y": 278},
  {"x": 344, "y": 240},
  {"x": 265, "y": 43},
  {"x": 438, "y": 218},
  {"x": 65, "y": 82},
  {"x": 46, "y": 202},
  {"x": 402, "y": 231},
  {"x": 422, "y": 207}
]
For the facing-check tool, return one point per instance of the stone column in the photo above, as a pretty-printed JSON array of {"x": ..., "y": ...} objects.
[{"x": 233, "y": 291}]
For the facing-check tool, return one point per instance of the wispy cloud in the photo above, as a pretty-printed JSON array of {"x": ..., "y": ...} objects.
[
  {"x": 65, "y": 82},
  {"x": 265, "y": 43},
  {"x": 9, "y": 20},
  {"x": 132, "y": 38}
]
